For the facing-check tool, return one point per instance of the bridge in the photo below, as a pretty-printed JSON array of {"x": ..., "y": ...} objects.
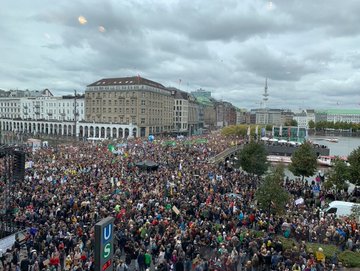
[
  {"x": 282, "y": 150},
  {"x": 226, "y": 154}
]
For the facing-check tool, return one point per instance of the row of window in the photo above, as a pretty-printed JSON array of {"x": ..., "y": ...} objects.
[
  {"x": 132, "y": 102},
  {"x": 117, "y": 88}
]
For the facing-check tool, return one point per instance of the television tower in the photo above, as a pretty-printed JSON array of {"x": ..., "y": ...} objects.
[{"x": 265, "y": 95}]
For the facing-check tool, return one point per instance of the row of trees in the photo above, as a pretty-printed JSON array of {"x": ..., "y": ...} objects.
[
  {"x": 339, "y": 125},
  {"x": 271, "y": 195}
]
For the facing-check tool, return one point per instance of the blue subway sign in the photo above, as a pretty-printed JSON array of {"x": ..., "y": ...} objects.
[{"x": 104, "y": 247}]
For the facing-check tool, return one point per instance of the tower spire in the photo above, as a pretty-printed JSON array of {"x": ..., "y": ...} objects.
[{"x": 266, "y": 94}]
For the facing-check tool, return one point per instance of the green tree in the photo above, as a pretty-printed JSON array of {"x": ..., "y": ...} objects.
[
  {"x": 291, "y": 123},
  {"x": 303, "y": 161},
  {"x": 253, "y": 158},
  {"x": 271, "y": 196},
  {"x": 268, "y": 127},
  {"x": 338, "y": 175},
  {"x": 354, "y": 168},
  {"x": 311, "y": 124},
  {"x": 355, "y": 212}
]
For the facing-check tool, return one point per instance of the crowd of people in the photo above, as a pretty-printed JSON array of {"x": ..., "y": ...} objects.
[{"x": 187, "y": 214}]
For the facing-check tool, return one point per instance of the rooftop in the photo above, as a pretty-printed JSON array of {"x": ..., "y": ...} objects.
[
  {"x": 121, "y": 81},
  {"x": 341, "y": 111}
]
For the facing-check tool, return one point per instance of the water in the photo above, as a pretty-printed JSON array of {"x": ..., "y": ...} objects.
[{"x": 343, "y": 147}]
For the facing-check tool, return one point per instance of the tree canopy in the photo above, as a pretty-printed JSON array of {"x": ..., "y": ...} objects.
[
  {"x": 291, "y": 123},
  {"x": 311, "y": 124},
  {"x": 338, "y": 175},
  {"x": 253, "y": 158},
  {"x": 271, "y": 196},
  {"x": 354, "y": 168},
  {"x": 303, "y": 161}
]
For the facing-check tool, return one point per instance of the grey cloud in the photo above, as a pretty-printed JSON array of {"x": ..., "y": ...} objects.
[
  {"x": 307, "y": 49},
  {"x": 268, "y": 62}
]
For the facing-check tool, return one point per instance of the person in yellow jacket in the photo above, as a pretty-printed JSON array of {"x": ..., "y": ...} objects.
[{"x": 320, "y": 256}]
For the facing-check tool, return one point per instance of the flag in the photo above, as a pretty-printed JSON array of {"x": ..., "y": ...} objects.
[
  {"x": 289, "y": 131},
  {"x": 272, "y": 131},
  {"x": 280, "y": 131},
  {"x": 263, "y": 132},
  {"x": 248, "y": 131},
  {"x": 257, "y": 130},
  {"x": 111, "y": 148},
  {"x": 297, "y": 133}
]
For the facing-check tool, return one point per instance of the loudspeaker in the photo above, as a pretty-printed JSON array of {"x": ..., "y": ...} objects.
[{"x": 19, "y": 165}]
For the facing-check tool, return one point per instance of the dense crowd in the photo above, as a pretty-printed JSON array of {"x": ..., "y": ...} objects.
[{"x": 69, "y": 188}]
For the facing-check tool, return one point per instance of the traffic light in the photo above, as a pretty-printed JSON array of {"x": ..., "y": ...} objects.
[{"x": 19, "y": 165}]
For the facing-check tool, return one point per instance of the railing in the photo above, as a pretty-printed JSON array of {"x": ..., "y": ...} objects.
[{"x": 225, "y": 153}]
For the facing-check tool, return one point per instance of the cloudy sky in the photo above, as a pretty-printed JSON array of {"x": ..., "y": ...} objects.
[{"x": 309, "y": 50}]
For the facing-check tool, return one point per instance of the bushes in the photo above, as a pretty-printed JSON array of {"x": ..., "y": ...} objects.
[{"x": 349, "y": 258}]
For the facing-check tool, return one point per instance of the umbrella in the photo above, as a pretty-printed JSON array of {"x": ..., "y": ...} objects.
[
  {"x": 147, "y": 164},
  {"x": 234, "y": 195}
]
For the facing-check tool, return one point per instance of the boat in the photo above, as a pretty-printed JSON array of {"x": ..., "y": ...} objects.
[
  {"x": 279, "y": 159},
  {"x": 328, "y": 160},
  {"x": 333, "y": 139}
]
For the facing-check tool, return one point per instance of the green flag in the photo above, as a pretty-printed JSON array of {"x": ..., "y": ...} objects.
[{"x": 111, "y": 148}]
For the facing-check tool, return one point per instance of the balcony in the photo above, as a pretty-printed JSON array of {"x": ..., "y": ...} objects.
[{"x": 37, "y": 106}]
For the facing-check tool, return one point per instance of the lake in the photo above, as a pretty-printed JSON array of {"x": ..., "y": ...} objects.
[{"x": 343, "y": 147}]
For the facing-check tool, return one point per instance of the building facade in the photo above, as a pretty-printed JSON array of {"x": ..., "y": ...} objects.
[
  {"x": 46, "y": 107},
  {"x": 339, "y": 115},
  {"x": 303, "y": 118},
  {"x": 66, "y": 128},
  {"x": 186, "y": 113},
  {"x": 130, "y": 101}
]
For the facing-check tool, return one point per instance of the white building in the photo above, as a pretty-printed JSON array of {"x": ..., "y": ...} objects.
[
  {"x": 10, "y": 108},
  {"x": 42, "y": 108},
  {"x": 304, "y": 117},
  {"x": 343, "y": 115},
  {"x": 53, "y": 108}
]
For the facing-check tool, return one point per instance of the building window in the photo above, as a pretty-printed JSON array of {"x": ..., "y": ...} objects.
[
  {"x": 143, "y": 110},
  {"x": 142, "y": 121}
]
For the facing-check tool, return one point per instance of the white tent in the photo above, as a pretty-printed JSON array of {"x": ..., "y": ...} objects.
[
  {"x": 273, "y": 140},
  {"x": 282, "y": 141},
  {"x": 265, "y": 138}
]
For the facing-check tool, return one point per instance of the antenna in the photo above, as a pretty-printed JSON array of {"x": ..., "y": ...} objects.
[{"x": 265, "y": 95}]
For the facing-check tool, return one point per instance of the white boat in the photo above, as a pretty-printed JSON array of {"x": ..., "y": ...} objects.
[
  {"x": 333, "y": 139},
  {"x": 279, "y": 159},
  {"x": 328, "y": 160}
]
